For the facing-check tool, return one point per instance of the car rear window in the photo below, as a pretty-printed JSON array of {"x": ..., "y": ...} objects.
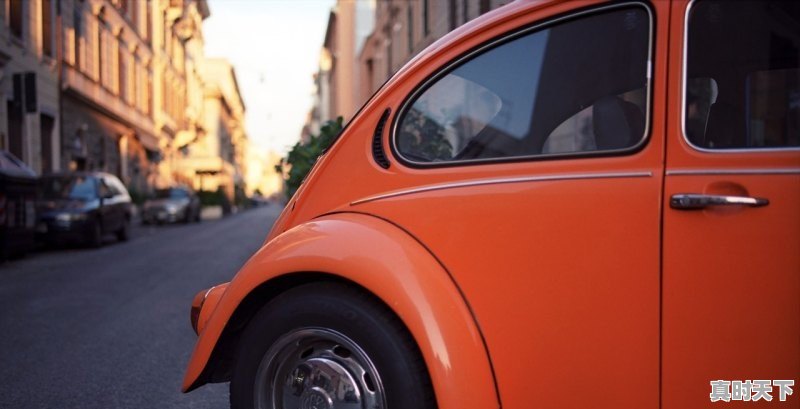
[{"x": 576, "y": 86}]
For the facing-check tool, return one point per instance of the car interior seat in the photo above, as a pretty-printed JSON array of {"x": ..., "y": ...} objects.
[{"x": 617, "y": 124}]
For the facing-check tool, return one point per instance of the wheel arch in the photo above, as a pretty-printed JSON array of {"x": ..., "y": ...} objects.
[
  {"x": 379, "y": 258},
  {"x": 219, "y": 363}
]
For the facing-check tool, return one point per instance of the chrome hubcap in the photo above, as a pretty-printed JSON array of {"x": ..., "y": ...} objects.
[{"x": 317, "y": 368}]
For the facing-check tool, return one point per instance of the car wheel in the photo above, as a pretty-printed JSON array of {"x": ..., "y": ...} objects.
[
  {"x": 123, "y": 234},
  {"x": 328, "y": 345},
  {"x": 95, "y": 238}
]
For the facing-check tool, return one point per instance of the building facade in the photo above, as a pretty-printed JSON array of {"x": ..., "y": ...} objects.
[
  {"x": 29, "y": 95},
  {"x": 121, "y": 86},
  {"x": 124, "y": 88},
  {"x": 354, "y": 63},
  {"x": 337, "y": 81},
  {"x": 216, "y": 159}
]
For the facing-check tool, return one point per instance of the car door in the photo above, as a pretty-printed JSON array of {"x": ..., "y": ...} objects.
[
  {"x": 122, "y": 198},
  {"x": 109, "y": 208},
  {"x": 535, "y": 168},
  {"x": 731, "y": 243}
]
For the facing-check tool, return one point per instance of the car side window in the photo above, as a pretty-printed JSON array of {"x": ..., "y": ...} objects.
[
  {"x": 743, "y": 74},
  {"x": 576, "y": 86},
  {"x": 103, "y": 189}
]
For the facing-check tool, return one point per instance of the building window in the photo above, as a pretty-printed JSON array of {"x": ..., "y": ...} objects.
[
  {"x": 15, "y": 17},
  {"x": 136, "y": 86},
  {"x": 167, "y": 42},
  {"x": 15, "y": 119},
  {"x": 135, "y": 16},
  {"x": 451, "y": 15},
  {"x": 101, "y": 54},
  {"x": 164, "y": 94},
  {"x": 410, "y": 28},
  {"x": 148, "y": 94},
  {"x": 133, "y": 81},
  {"x": 141, "y": 87},
  {"x": 114, "y": 61},
  {"x": 77, "y": 22},
  {"x": 425, "y": 20},
  {"x": 370, "y": 76},
  {"x": 47, "y": 27},
  {"x": 46, "y": 127},
  {"x": 123, "y": 74},
  {"x": 148, "y": 30},
  {"x": 484, "y": 6}
]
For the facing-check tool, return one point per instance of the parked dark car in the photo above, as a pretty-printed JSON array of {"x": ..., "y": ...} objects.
[
  {"x": 17, "y": 198},
  {"x": 172, "y": 205},
  {"x": 83, "y": 207}
]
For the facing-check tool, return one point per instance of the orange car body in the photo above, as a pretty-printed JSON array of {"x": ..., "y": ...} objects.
[{"x": 564, "y": 283}]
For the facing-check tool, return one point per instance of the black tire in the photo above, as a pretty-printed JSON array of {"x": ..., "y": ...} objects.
[
  {"x": 123, "y": 234},
  {"x": 316, "y": 324},
  {"x": 95, "y": 235}
]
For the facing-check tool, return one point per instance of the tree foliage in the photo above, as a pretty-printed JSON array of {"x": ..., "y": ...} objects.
[
  {"x": 423, "y": 138},
  {"x": 302, "y": 157}
]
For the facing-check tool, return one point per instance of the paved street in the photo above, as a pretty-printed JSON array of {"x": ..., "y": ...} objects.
[{"x": 109, "y": 328}]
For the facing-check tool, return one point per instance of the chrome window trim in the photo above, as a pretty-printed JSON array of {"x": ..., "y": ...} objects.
[
  {"x": 500, "y": 181},
  {"x": 450, "y": 66},
  {"x": 684, "y": 69},
  {"x": 697, "y": 172}
]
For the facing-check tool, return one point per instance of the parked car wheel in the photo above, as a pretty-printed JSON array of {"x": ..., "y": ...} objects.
[
  {"x": 123, "y": 234},
  {"x": 334, "y": 331}
]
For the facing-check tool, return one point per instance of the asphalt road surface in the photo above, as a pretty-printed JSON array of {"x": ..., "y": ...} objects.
[{"x": 109, "y": 328}]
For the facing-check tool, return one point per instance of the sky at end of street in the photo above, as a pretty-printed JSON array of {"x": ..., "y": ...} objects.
[{"x": 274, "y": 46}]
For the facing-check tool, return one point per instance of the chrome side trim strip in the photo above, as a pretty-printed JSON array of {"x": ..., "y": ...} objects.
[
  {"x": 787, "y": 171},
  {"x": 498, "y": 181}
]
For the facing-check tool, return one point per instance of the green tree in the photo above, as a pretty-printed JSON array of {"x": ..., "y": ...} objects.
[
  {"x": 423, "y": 138},
  {"x": 302, "y": 157}
]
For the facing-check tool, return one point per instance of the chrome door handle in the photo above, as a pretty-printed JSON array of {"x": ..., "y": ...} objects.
[{"x": 690, "y": 201}]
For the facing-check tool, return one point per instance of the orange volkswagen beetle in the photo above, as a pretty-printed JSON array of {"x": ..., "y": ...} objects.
[{"x": 562, "y": 204}]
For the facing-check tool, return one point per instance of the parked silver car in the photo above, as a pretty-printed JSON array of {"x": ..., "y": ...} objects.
[{"x": 174, "y": 204}]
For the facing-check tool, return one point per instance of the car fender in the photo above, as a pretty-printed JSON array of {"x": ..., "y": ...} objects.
[{"x": 389, "y": 262}]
